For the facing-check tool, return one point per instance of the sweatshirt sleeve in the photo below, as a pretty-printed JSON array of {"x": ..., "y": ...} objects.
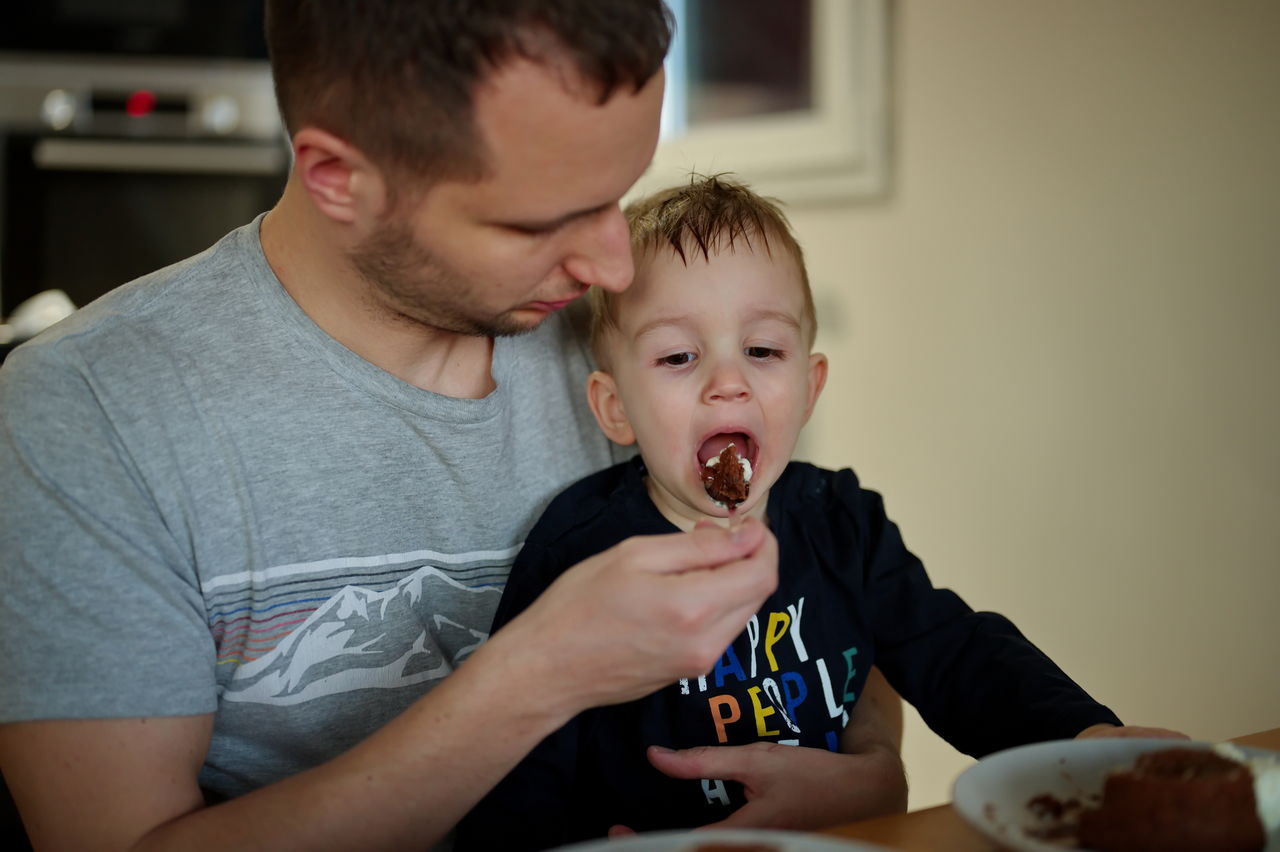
[
  {"x": 976, "y": 680},
  {"x": 527, "y": 809}
]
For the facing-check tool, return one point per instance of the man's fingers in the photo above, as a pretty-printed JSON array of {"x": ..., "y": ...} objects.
[
  {"x": 702, "y": 547},
  {"x": 720, "y": 601},
  {"x": 741, "y": 583}
]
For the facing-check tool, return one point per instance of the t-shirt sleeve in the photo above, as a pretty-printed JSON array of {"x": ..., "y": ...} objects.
[
  {"x": 976, "y": 680},
  {"x": 101, "y": 614}
]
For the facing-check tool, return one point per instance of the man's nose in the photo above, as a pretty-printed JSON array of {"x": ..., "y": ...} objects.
[
  {"x": 601, "y": 256},
  {"x": 726, "y": 383}
]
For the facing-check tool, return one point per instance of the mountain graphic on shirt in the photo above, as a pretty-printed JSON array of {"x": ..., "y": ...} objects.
[{"x": 364, "y": 639}]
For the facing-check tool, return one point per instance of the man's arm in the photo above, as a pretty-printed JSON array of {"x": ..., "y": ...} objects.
[{"x": 616, "y": 627}]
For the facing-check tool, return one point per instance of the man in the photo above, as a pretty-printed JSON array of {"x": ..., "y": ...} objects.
[{"x": 257, "y": 508}]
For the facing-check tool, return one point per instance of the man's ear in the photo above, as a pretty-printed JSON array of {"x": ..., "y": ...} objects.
[
  {"x": 341, "y": 181},
  {"x": 817, "y": 381},
  {"x": 602, "y": 396}
]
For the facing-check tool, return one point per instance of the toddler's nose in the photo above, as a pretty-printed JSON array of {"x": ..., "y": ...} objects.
[{"x": 727, "y": 384}]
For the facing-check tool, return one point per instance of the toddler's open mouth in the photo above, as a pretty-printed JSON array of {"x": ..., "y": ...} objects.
[
  {"x": 725, "y": 467},
  {"x": 715, "y": 444}
]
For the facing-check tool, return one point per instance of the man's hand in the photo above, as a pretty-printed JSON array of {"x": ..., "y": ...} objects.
[
  {"x": 1105, "y": 730},
  {"x": 792, "y": 787},
  {"x": 640, "y": 615}
]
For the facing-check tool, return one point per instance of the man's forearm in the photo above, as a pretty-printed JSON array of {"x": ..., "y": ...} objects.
[
  {"x": 406, "y": 786},
  {"x": 616, "y": 627}
]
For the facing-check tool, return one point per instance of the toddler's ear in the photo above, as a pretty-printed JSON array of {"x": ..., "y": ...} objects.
[
  {"x": 817, "y": 381},
  {"x": 602, "y": 396}
]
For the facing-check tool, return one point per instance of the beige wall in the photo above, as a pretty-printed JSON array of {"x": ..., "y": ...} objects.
[{"x": 1054, "y": 344}]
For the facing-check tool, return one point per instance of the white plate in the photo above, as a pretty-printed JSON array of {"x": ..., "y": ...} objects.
[
  {"x": 687, "y": 841},
  {"x": 992, "y": 794}
]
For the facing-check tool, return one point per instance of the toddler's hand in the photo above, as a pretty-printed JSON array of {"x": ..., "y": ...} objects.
[
  {"x": 1104, "y": 730},
  {"x": 794, "y": 787}
]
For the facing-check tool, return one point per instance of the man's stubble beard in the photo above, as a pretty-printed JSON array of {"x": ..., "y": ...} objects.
[{"x": 411, "y": 284}]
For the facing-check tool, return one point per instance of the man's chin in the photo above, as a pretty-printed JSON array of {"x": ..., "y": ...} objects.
[
  {"x": 515, "y": 323},
  {"x": 509, "y": 324}
]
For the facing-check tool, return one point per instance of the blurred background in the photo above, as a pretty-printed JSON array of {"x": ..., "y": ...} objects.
[
  {"x": 133, "y": 133},
  {"x": 1045, "y": 244}
]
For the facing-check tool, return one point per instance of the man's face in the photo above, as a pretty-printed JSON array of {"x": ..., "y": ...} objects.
[
  {"x": 708, "y": 353},
  {"x": 499, "y": 255}
]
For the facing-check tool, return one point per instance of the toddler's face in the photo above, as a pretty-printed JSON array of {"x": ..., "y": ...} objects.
[{"x": 705, "y": 354}]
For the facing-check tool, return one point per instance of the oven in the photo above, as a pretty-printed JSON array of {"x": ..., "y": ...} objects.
[{"x": 132, "y": 135}]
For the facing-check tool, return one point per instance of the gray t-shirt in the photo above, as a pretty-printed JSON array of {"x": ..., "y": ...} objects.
[{"x": 207, "y": 504}]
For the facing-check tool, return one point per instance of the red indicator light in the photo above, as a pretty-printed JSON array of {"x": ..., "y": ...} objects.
[{"x": 140, "y": 103}]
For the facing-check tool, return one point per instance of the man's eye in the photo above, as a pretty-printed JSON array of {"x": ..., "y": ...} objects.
[
  {"x": 532, "y": 230},
  {"x": 679, "y": 359},
  {"x": 763, "y": 352}
]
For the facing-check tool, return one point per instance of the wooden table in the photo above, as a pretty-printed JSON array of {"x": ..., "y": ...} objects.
[{"x": 942, "y": 828}]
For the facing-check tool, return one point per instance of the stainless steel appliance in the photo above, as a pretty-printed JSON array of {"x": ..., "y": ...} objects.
[{"x": 132, "y": 135}]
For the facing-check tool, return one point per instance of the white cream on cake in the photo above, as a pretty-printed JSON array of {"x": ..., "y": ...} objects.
[
  {"x": 746, "y": 464},
  {"x": 1266, "y": 783},
  {"x": 742, "y": 460}
]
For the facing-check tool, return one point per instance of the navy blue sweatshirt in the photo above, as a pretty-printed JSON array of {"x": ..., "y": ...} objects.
[{"x": 850, "y": 595}]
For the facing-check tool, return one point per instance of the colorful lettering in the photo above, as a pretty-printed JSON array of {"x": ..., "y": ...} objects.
[
  {"x": 730, "y": 703},
  {"x": 834, "y": 710},
  {"x": 796, "y": 611},
  {"x": 729, "y": 664},
  {"x": 761, "y": 713},
  {"x": 715, "y": 792},
  {"x": 792, "y": 699},
  {"x": 778, "y": 624},
  {"x": 848, "y": 661},
  {"x": 684, "y": 684},
  {"x": 775, "y": 698}
]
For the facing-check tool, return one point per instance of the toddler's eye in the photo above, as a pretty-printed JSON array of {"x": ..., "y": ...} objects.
[
  {"x": 763, "y": 353},
  {"x": 679, "y": 359}
]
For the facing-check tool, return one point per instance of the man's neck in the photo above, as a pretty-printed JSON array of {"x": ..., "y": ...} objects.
[{"x": 313, "y": 268}]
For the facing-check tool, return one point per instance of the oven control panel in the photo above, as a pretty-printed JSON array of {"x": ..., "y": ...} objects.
[{"x": 132, "y": 98}]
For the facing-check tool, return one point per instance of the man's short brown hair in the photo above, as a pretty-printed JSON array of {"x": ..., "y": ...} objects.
[
  {"x": 704, "y": 216},
  {"x": 395, "y": 78}
]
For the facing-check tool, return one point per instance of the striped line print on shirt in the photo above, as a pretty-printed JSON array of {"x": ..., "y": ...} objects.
[{"x": 251, "y": 612}]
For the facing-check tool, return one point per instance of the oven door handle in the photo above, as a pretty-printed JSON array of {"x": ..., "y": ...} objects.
[{"x": 174, "y": 157}]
